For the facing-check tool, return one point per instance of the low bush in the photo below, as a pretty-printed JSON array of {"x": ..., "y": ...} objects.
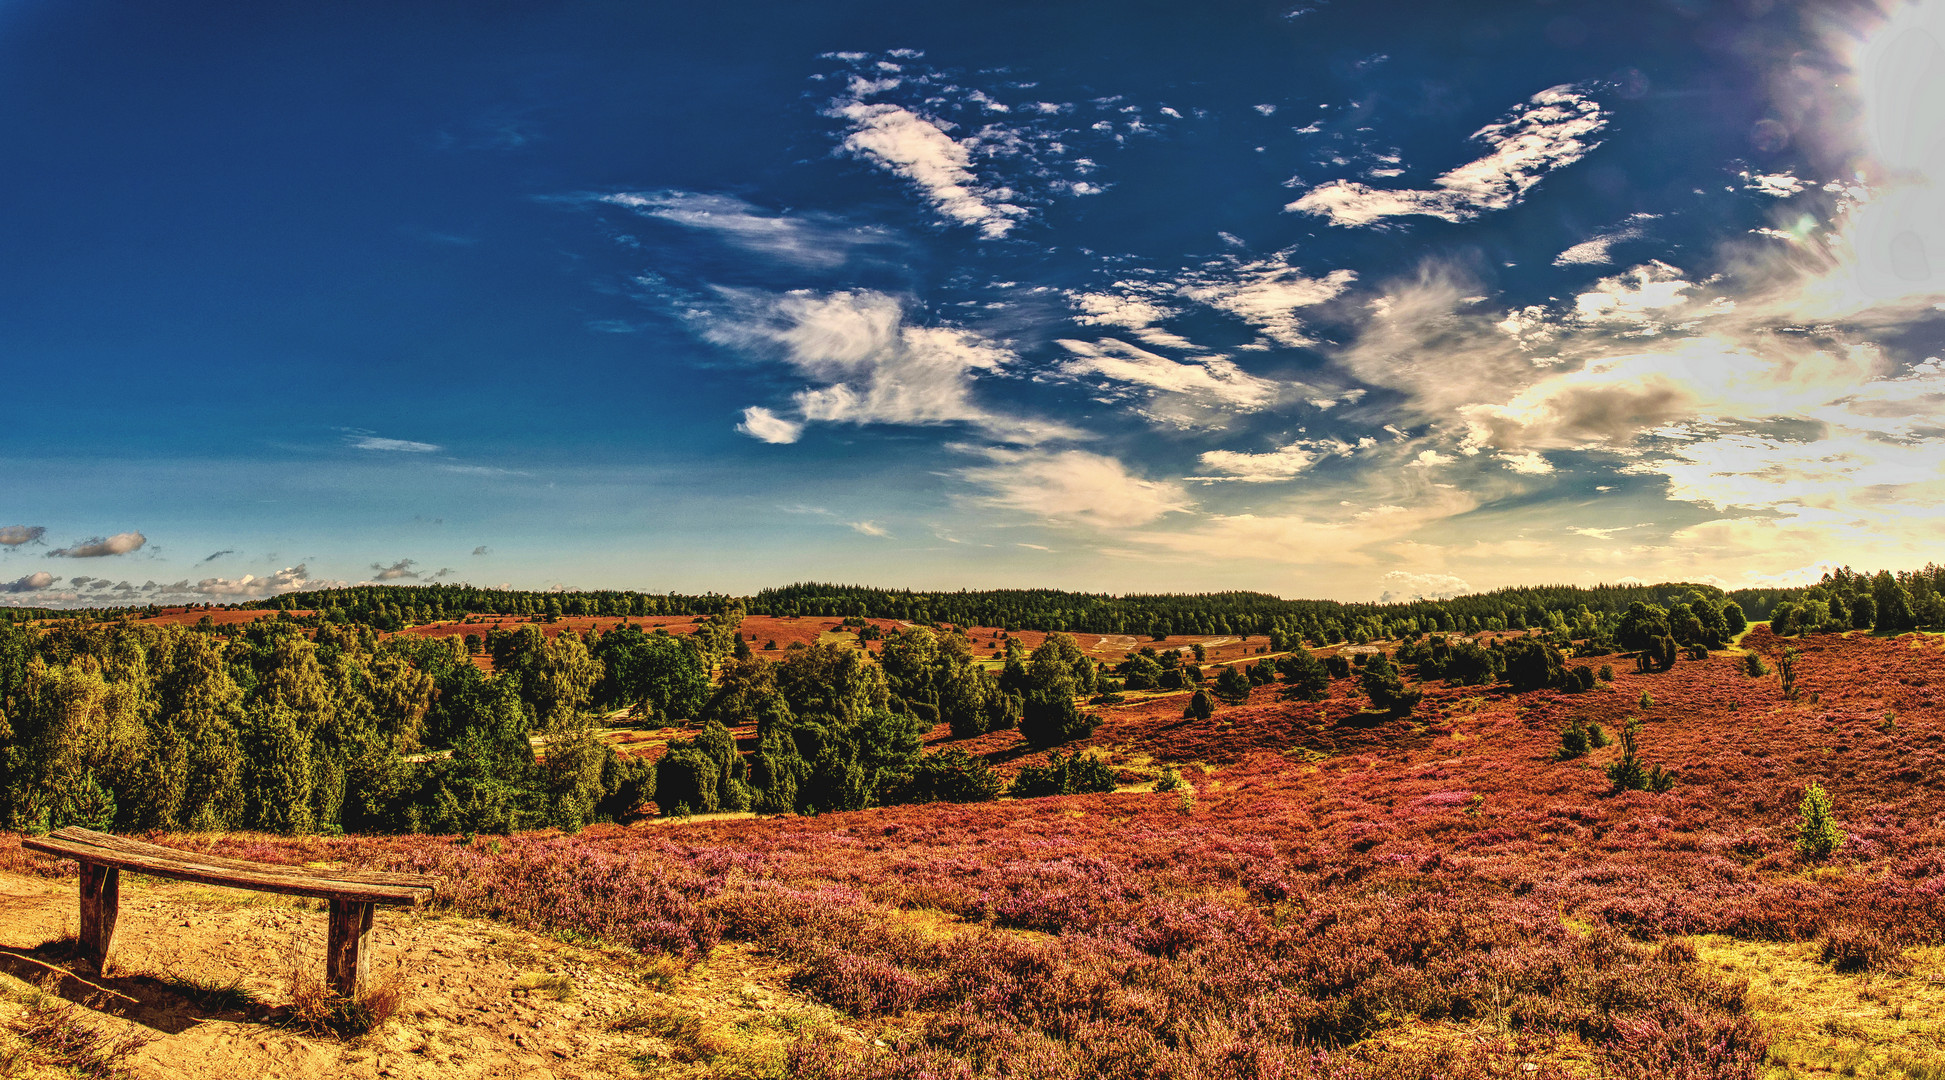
[{"x": 1072, "y": 774}]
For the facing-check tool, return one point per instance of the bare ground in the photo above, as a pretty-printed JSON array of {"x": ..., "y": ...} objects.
[{"x": 203, "y": 978}]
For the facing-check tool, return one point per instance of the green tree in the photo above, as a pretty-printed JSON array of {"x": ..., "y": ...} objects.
[
  {"x": 1894, "y": 614},
  {"x": 1232, "y": 686},
  {"x": 1303, "y": 675},
  {"x": 1817, "y": 834}
]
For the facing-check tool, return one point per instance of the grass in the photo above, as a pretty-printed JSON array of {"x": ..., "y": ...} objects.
[
  {"x": 1827, "y": 1023},
  {"x": 546, "y": 984},
  {"x": 58, "y": 1033},
  {"x": 316, "y": 1009}
]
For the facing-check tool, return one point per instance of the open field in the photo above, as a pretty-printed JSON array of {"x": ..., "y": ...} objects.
[{"x": 1338, "y": 895}]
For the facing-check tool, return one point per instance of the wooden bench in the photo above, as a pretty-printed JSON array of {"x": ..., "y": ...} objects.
[{"x": 352, "y": 894}]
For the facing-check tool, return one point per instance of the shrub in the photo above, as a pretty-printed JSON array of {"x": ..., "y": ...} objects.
[
  {"x": 1232, "y": 685},
  {"x": 1817, "y": 834},
  {"x": 1387, "y": 692},
  {"x": 1049, "y": 718},
  {"x": 950, "y": 775},
  {"x": 1574, "y": 740},
  {"x": 1073, "y": 774},
  {"x": 1304, "y": 676},
  {"x": 1630, "y": 773},
  {"x": 1853, "y": 948},
  {"x": 1607, "y": 673},
  {"x": 1201, "y": 707},
  {"x": 1170, "y": 780},
  {"x": 1581, "y": 678},
  {"x": 1532, "y": 664},
  {"x": 1752, "y": 665},
  {"x": 1786, "y": 672}
]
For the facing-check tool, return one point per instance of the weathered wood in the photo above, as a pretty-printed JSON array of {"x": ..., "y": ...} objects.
[
  {"x": 101, "y": 893},
  {"x": 344, "y": 947},
  {"x": 353, "y": 894},
  {"x": 88, "y": 847}
]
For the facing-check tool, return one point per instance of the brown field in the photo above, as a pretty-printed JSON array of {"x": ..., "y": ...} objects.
[{"x": 182, "y": 616}]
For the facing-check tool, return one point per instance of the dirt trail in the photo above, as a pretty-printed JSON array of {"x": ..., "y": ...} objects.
[{"x": 483, "y": 999}]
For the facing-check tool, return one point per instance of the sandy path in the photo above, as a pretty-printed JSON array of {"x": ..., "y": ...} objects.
[{"x": 464, "y": 1016}]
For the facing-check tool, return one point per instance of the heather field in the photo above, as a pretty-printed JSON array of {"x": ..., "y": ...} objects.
[{"x": 1335, "y": 894}]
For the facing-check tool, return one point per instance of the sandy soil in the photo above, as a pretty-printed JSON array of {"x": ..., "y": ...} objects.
[{"x": 482, "y": 999}]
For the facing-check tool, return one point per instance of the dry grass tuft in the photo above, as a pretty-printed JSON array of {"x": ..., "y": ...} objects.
[
  {"x": 60, "y": 1034},
  {"x": 316, "y": 1008}
]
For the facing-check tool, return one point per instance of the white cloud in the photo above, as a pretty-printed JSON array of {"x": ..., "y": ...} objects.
[
  {"x": 1402, "y": 587},
  {"x": 1283, "y": 463},
  {"x": 871, "y": 367},
  {"x": 1595, "y": 251},
  {"x": 1430, "y": 459},
  {"x": 806, "y": 239},
  {"x": 1074, "y": 486},
  {"x": 118, "y": 544},
  {"x": 868, "y": 528},
  {"x": 1266, "y": 294},
  {"x": 762, "y": 424},
  {"x": 916, "y": 148},
  {"x": 249, "y": 586},
  {"x": 1781, "y": 185},
  {"x": 1210, "y": 380},
  {"x": 1555, "y": 129},
  {"x": 404, "y": 446},
  {"x": 1526, "y": 462},
  {"x": 16, "y": 535},
  {"x": 1638, "y": 295}
]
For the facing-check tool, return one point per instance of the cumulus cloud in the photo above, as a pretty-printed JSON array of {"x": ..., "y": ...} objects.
[
  {"x": 813, "y": 240},
  {"x": 34, "y": 582},
  {"x": 1283, "y": 463},
  {"x": 396, "y": 571},
  {"x": 1403, "y": 587},
  {"x": 368, "y": 441},
  {"x": 118, "y": 544},
  {"x": 871, "y": 367},
  {"x": 1074, "y": 486},
  {"x": 765, "y": 426},
  {"x": 1781, "y": 185},
  {"x": 250, "y": 586},
  {"x": 15, "y": 535},
  {"x": 1554, "y": 129}
]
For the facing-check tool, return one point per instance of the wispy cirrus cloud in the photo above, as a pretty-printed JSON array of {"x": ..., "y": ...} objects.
[
  {"x": 1554, "y": 129},
  {"x": 1073, "y": 487},
  {"x": 807, "y": 239},
  {"x": 365, "y": 440}
]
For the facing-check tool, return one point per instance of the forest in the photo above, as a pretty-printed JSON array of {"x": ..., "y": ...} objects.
[{"x": 321, "y": 724}]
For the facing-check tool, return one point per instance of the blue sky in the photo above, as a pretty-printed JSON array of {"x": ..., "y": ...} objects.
[{"x": 1341, "y": 300}]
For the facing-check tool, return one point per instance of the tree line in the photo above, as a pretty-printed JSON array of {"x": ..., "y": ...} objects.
[{"x": 281, "y": 727}]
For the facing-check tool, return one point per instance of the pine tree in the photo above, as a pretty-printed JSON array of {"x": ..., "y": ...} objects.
[{"x": 1817, "y": 834}]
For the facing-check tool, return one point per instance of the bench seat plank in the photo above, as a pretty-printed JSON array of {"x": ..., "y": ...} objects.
[{"x": 101, "y": 849}]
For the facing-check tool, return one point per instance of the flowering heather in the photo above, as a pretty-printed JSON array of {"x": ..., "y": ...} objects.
[{"x": 1437, "y": 894}]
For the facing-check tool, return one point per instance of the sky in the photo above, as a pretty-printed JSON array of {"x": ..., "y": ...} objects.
[{"x": 1359, "y": 301}]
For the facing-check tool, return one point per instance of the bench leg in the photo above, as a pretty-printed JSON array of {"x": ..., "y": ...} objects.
[
  {"x": 101, "y": 893},
  {"x": 344, "y": 947}
]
